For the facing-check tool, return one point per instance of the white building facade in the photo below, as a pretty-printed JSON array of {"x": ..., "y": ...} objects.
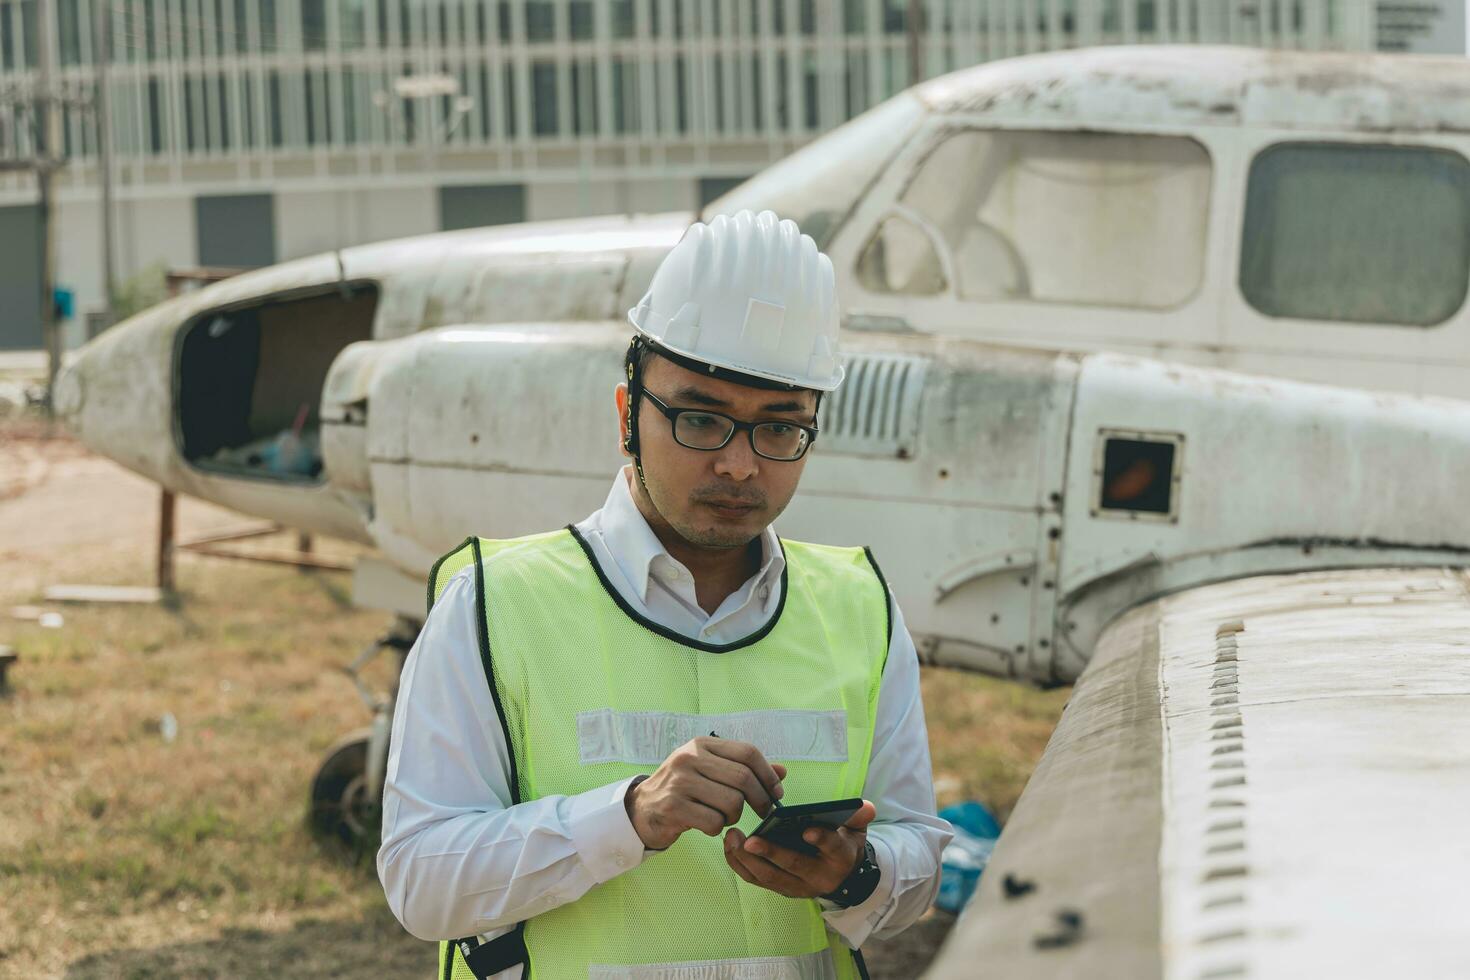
[{"x": 247, "y": 132}]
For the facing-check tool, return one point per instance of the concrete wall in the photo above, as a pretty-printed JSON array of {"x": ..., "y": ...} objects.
[{"x": 311, "y": 222}]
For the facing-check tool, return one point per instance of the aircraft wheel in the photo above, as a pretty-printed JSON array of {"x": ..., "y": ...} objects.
[{"x": 342, "y": 808}]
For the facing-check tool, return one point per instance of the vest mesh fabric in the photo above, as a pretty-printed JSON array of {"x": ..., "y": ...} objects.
[{"x": 561, "y": 646}]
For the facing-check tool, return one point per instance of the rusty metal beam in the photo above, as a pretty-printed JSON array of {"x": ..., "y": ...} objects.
[
  {"x": 232, "y": 534},
  {"x": 295, "y": 558}
]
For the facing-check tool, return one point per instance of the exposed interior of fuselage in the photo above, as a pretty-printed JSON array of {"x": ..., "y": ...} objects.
[{"x": 248, "y": 380}]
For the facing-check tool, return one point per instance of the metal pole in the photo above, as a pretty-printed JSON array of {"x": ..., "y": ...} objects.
[
  {"x": 102, "y": 45},
  {"x": 912, "y": 20},
  {"x": 48, "y": 132},
  {"x": 166, "y": 541}
]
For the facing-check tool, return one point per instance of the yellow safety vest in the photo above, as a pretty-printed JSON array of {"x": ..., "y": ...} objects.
[{"x": 589, "y": 693}]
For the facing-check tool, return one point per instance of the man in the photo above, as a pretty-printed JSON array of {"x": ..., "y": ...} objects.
[{"x": 579, "y": 701}]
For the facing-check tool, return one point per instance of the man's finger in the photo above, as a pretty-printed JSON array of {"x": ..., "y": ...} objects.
[
  {"x": 768, "y": 875},
  {"x": 750, "y": 757},
  {"x": 733, "y": 839},
  {"x": 802, "y": 866},
  {"x": 736, "y": 776},
  {"x": 700, "y": 816},
  {"x": 715, "y": 794},
  {"x": 821, "y": 838}
]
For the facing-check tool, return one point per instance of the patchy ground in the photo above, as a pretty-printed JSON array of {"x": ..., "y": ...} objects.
[{"x": 124, "y": 853}]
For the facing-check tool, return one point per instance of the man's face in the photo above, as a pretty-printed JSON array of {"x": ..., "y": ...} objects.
[{"x": 725, "y": 497}]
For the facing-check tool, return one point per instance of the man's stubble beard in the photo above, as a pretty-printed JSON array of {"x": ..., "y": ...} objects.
[{"x": 720, "y": 538}]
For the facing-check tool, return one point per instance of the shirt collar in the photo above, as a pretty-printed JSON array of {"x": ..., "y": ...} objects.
[{"x": 635, "y": 548}]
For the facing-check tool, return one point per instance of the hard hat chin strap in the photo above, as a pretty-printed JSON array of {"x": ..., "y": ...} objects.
[{"x": 631, "y": 362}]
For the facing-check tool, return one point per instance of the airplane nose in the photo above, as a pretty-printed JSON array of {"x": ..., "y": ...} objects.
[
  {"x": 66, "y": 400},
  {"x": 113, "y": 394}
]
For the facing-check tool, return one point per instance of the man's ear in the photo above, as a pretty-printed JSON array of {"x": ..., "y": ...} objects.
[{"x": 620, "y": 400}]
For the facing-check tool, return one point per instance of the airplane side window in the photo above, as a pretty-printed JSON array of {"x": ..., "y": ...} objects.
[
  {"x": 1357, "y": 233},
  {"x": 1095, "y": 219},
  {"x": 900, "y": 258}
]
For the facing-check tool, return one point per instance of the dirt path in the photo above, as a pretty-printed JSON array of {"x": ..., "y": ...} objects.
[{"x": 67, "y": 515}]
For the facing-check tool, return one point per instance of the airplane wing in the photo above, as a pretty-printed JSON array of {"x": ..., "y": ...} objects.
[{"x": 1268, "y": 777}]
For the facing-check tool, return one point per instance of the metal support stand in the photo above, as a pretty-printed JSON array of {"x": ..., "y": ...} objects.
[{"x": 166, "y": 542}]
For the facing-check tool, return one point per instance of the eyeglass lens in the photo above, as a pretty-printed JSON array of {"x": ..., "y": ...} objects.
[{"x": 702, "y": 430}]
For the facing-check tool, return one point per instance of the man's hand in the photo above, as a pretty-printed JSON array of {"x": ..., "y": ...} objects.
[
  {"x": 703, "y": 785},
  {"x": 796, "y": 875}
]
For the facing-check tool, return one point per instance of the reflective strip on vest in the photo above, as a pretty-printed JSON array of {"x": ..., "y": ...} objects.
[
  {"x": 647, "y": 737},
  {"x": 813, "y": 966},
  {"x": 589, "y": 694}
]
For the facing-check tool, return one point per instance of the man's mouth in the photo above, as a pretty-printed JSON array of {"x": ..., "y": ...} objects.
[{"x": 730, "y": 508}]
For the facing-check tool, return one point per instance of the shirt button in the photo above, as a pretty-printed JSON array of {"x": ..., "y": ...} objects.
[
  {"x": 765, "y": 592},
  {"x": 620, "y": 859}
]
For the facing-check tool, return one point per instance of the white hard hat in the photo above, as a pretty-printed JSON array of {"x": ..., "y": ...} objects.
[{"x": 749, "y": 293}]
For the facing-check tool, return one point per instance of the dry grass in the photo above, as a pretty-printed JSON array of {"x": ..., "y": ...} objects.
[
  {"x": 188, "y": 853},
  {"x": 986, "y": 735},
  {"x": 125, "y": 855}
]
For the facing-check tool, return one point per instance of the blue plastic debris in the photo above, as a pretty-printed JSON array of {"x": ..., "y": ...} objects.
[
  {"x": 973, "y": 817},
  {"x": 965, "y": 857}
]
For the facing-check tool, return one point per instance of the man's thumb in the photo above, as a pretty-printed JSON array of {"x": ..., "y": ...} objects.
[{"x": 861, "y": 819}]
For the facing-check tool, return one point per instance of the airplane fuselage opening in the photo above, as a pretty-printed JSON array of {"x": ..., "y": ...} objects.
[{"x": 248, "y": 381}]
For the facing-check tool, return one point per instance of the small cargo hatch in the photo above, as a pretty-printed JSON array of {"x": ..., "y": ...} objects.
[{"x": 249, "y": 377}]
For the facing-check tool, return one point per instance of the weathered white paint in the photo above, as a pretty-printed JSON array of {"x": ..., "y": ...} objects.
[
  {"x": 1343, "y": 765},
  {"x": 1260, "y": 779},
  {"x": 984, "y": 522},
  {"x": 1233, "y": 103}
]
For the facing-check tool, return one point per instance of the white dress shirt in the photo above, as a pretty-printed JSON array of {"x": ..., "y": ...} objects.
[{"x": 457, "y": 859}]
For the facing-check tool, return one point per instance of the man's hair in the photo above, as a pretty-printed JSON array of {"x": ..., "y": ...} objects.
[{"x": 644, "y": 357}]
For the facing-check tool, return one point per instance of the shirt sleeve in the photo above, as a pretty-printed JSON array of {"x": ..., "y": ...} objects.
[
  {"x": 907, "y": 835},
  {"x": 457, "y": 858}
]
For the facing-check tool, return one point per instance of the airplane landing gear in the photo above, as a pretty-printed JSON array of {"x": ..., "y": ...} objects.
[{"x": 347, "y": 791}]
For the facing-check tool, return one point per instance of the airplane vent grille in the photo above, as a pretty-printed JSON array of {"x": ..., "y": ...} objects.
[{"x": 875, "y": 412}]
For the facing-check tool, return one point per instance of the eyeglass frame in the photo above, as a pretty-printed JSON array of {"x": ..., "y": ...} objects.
[{"x": 672, "y": 414}]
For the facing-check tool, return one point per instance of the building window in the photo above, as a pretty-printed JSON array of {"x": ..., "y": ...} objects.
[
  {"x": 1093, "y": 219},
  {"x": 582, "y": 23},
  {"x": 543, "y": 99},
  {"x": 540, "y": 21},
  {"x": 623, "y": 23},
  {"x": 69, "y": 39},
  {"x": 235, "y": 230},
  {"x": 477, "y": 205},
  {"x": 314, "y": 25},
  {"x": 711, "y": 188},
  {"x": 625, "y": 96},
  {"x": 1367, "y": 234}
]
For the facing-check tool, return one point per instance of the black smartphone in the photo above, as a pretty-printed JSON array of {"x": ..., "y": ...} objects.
[{"x": 785, "y": 826}]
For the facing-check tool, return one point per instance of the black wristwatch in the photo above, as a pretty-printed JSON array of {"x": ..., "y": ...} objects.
[{"x": 858, "y": 885}]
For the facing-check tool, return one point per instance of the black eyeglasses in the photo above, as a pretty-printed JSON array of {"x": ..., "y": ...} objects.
[{"x": 696, "y": 428}]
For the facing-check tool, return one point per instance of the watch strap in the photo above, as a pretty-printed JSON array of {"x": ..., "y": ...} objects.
[{"x": 860, "y": 883}]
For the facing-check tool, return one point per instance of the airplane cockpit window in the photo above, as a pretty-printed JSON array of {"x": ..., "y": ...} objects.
[
  {"x": 1358, "y": 233},
  {"x": 901, "y": 259},
  {"x": 1096, "y": 219},
  {"x": 249, "y": 381},
  {"x": 818, "y": 185}
]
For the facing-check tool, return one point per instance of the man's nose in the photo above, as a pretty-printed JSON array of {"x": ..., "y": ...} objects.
[{"x": 737, "y": 460}]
